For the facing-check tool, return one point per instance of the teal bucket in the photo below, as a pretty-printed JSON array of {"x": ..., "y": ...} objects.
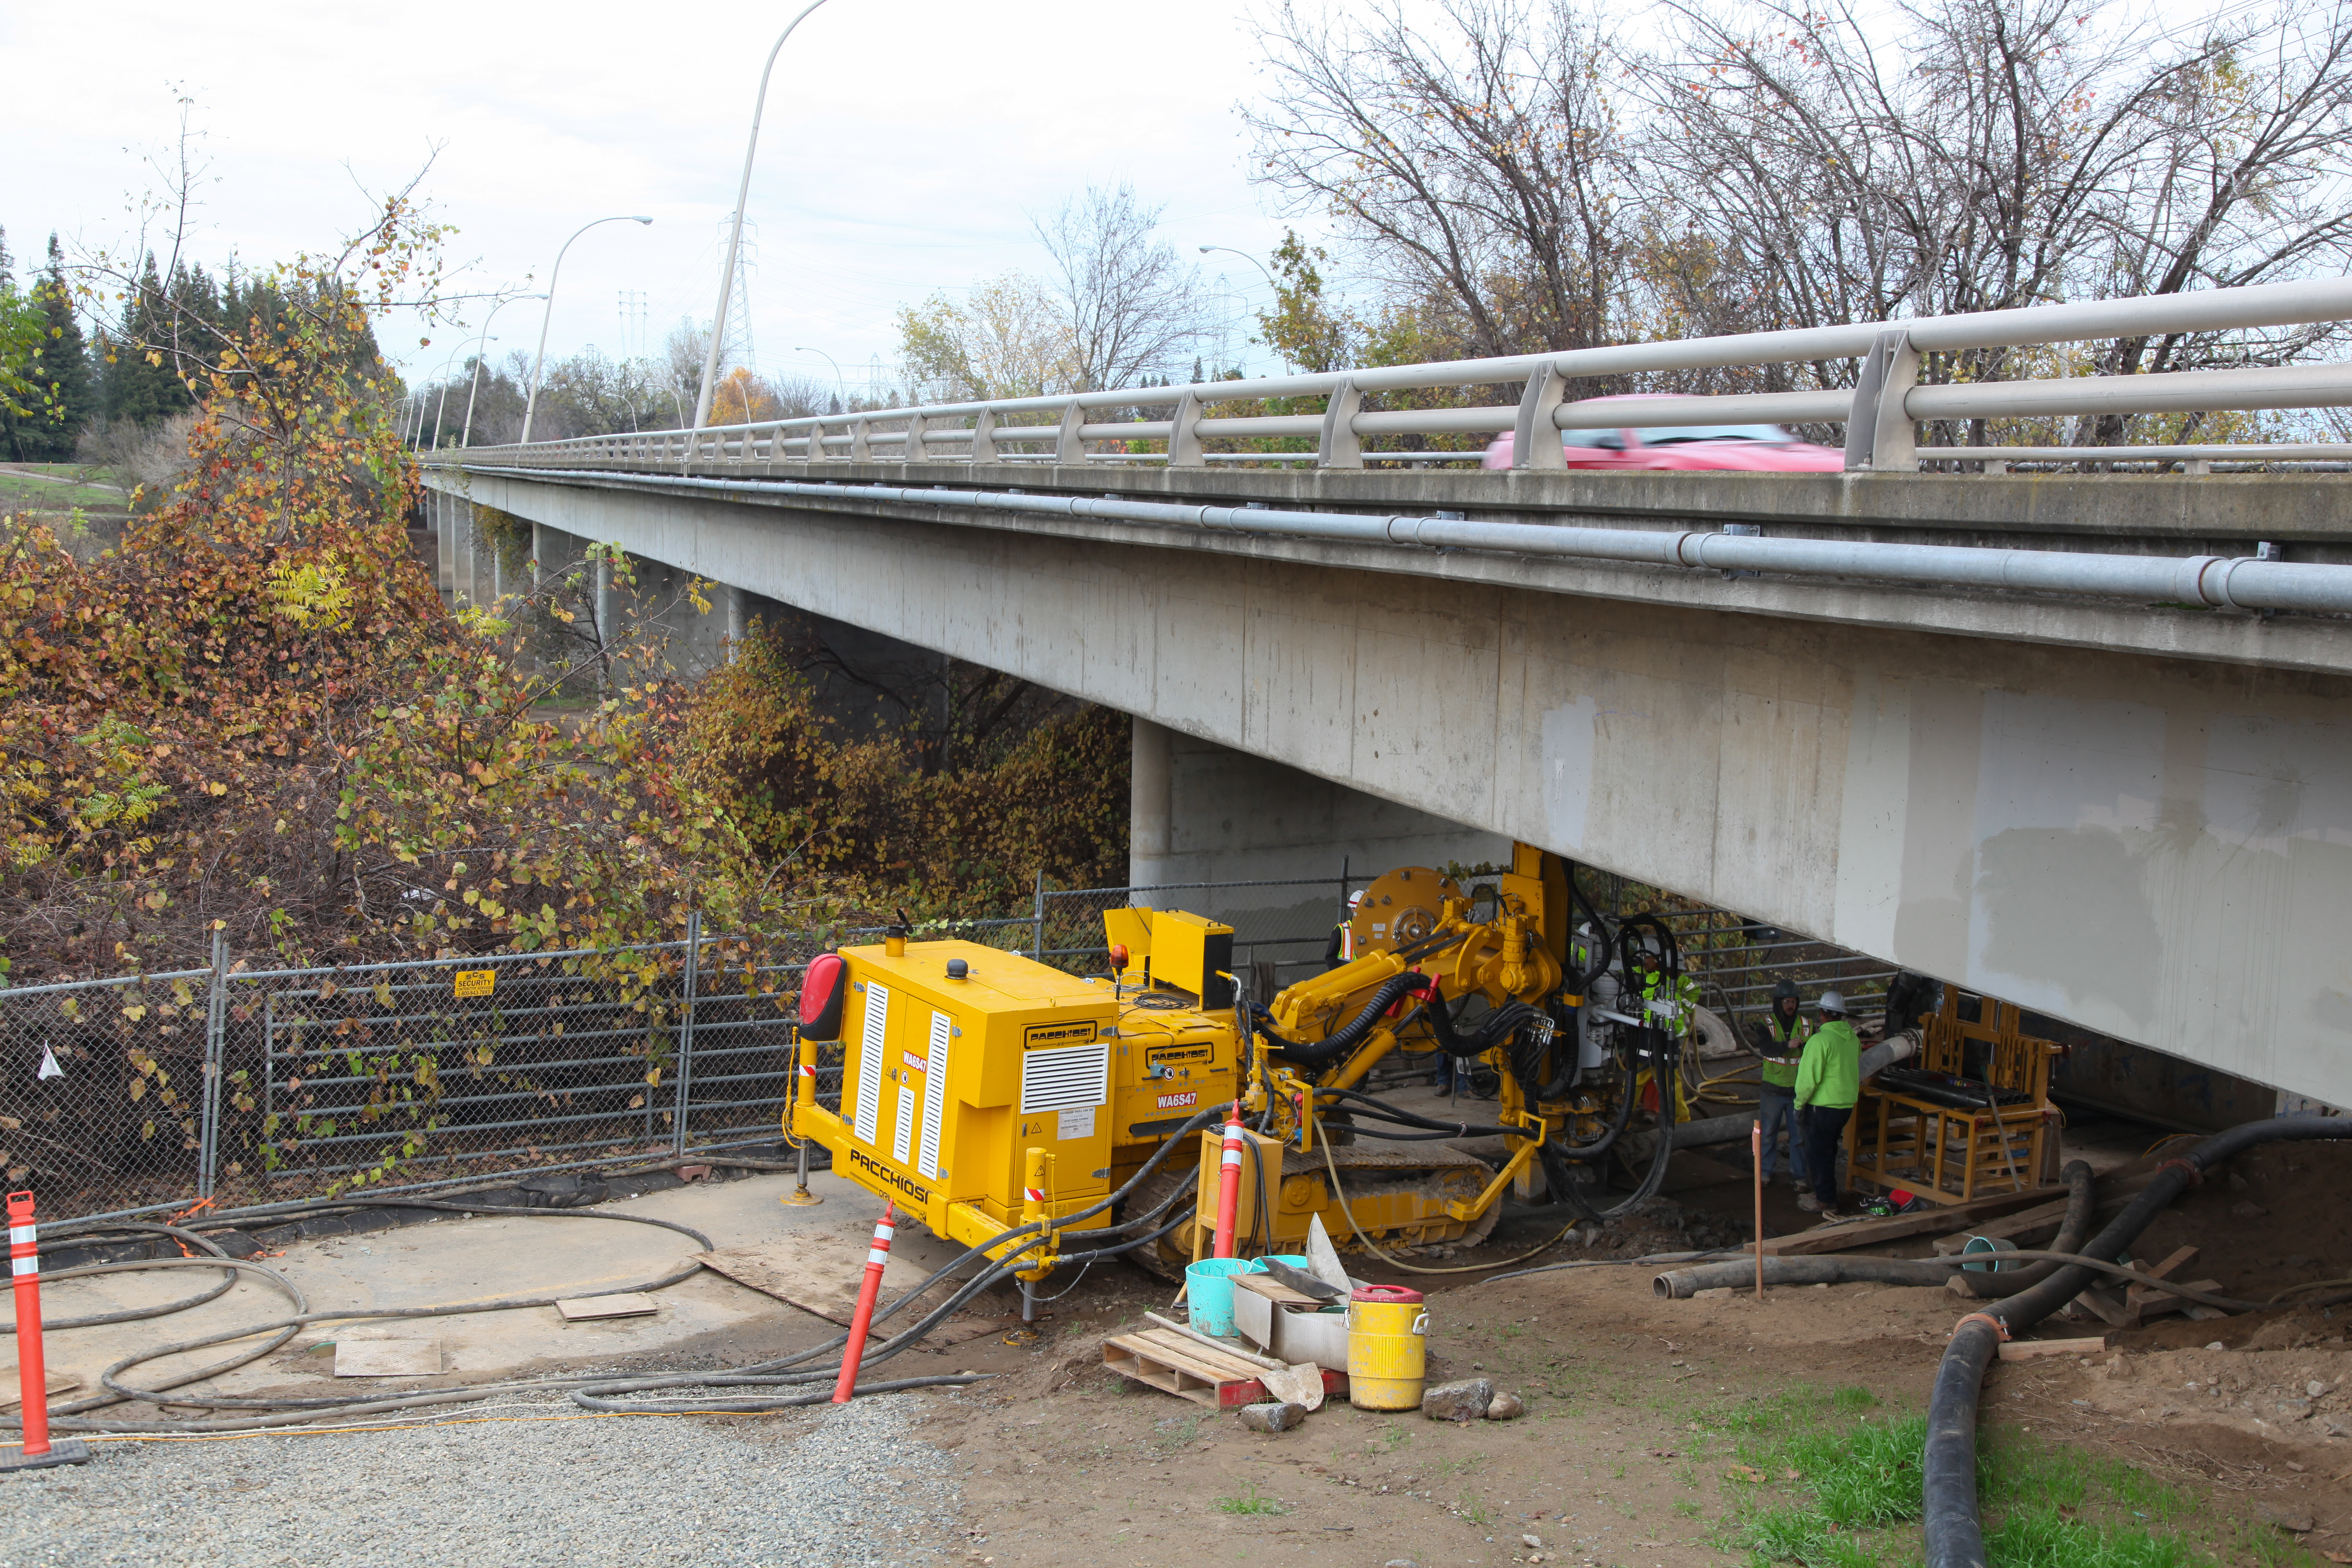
[
  {"x": 1209, "y": 1294},
  {"x": 1979, "y": 1246},
  {"x": 1303, "y": 1265}
]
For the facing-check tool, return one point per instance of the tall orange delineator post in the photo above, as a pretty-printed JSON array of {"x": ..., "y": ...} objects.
[
  {"x": 877, "y": 1257},
  {"x": 32, "y": 1373},
  {"x": 1229, "y": 1183}
]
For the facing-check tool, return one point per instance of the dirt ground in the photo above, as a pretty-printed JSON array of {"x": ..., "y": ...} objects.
[
  {"x": 1620, "y": 1458},
  {"x": 1628, "y": 1454}
]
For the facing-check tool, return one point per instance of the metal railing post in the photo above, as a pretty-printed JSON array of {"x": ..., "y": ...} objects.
[
  {"x": 215, "y": 1043},
  {"x": 1340, "y": 446},
  {"x": 685, "y": 1027},
  {"x": 1037, "y": 925}
]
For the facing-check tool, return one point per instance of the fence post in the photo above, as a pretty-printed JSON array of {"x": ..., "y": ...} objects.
[
  {"x": 1037, "y": 922},
  {"x": 215, "y": 1043},
  {"x": 685, "y": 1027}
]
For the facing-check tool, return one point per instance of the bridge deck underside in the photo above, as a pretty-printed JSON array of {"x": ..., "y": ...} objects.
[{"x": 2152, "y": 845}]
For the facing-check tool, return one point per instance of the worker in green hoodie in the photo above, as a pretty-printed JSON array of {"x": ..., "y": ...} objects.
[{"x": 1829, "y": 1082}]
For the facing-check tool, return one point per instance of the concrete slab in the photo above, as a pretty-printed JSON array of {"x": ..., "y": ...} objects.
[{"x": 454, "y": 1261}]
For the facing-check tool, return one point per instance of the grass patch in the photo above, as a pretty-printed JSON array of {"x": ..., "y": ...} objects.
[
  {"x": 1829, "y": 1480},
  {"x": 1250, "y": 1502}
]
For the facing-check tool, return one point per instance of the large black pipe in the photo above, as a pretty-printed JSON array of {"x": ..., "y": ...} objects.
[
  {"x": 2081, "y": 1205},
  {"x": 1955, "y": 1533}
]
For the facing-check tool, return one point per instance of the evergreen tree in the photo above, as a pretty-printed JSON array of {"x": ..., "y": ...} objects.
[
  {"x": 48, "y": 394},
  {"x": 142, "y": 385},
  {"x": 65, "y": 360}
]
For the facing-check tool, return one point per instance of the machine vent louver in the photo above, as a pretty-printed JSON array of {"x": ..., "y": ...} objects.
[{"x": 1074, "y": 1077}]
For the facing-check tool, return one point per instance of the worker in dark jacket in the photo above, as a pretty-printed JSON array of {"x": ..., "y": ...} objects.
[
  {"x": 1779, "y": 1039},
  {"x": 1829, "y": 1082}
]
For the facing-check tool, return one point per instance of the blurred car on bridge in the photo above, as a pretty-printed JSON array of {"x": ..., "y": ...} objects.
[{"x": 1754, "y": 449}]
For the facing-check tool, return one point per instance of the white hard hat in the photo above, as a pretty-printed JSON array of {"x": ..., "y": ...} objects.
[
  {"x": 1355, "y": 898},
  {"x": 1831, "y": 1002}
]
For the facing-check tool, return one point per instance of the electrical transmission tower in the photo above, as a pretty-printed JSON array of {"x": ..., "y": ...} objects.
[
  {"x": 633, "y": 324},
  {"x": 735, "y": 348}
]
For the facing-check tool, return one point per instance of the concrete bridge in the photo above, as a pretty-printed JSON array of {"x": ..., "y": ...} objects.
[{"x": 2078, "y": 739}]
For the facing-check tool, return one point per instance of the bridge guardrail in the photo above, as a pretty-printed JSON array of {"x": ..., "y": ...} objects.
[{"x": 1880, "y": 410}]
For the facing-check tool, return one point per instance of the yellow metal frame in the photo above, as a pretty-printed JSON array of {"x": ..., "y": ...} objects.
[{"x": 1947, "y": 1154}]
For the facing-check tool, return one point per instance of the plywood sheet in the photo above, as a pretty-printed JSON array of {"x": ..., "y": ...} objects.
[{"x": 387, "y": 1358}]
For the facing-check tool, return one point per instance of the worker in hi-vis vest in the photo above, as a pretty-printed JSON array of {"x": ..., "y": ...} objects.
[
  {"x": 1779, "y": 1040},
  {"x": 1668, "y": 1006},
  {"x": 1829, "y": 1082},
  {"x": 1342, "y": 949}
]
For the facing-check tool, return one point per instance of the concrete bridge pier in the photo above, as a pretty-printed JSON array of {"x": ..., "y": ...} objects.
[{"x": 1200, "y": 812}]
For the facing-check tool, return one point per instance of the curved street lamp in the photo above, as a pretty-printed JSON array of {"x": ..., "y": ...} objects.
[
  {"x": 443, "y": 402},
  {"x": 735, "y": 235},
  {"x": 530, "y": 403},
  {"x": 840, "y": 386},
  {"x": 468, "y": 438},
  {"x": 1246, "y": 256}
]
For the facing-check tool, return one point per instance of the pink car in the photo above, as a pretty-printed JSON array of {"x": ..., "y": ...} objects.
[{"x": 1756, "y": 448}]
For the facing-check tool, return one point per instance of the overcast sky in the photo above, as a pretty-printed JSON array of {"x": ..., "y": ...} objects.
[{"x": 905, "y": 146}]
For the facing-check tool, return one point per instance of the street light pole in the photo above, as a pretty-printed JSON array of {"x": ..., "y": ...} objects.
[
  {"x": 840, "y": 387},
  {"x": 1246, "y": 256},
  {"x": 468, "y": 438},
  {"x": 443, "y": 402},
  {"x": 735, "y": 235},
  {"x": 530, "y": 403}
]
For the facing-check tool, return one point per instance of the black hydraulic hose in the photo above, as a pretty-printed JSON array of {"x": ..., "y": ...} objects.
[
  {"x": 1954, "y": 1533},
  {"x": 2082, "y": 1208},
  {"x": 51, "y": 1242},
  {"x": 1376, "y": 1107},
  {"x": 1349, "y": 1035}
]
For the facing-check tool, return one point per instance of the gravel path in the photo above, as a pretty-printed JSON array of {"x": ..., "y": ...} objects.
[{"x": 851, "y": 1487}]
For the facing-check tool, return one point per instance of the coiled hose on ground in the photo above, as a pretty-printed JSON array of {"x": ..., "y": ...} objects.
[
  {"x": 1954, "y": 1533},
  {"x": 591, "y": 1392}
]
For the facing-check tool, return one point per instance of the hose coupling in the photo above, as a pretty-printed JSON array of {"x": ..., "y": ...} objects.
[{"x": 2000, "y": 1329}]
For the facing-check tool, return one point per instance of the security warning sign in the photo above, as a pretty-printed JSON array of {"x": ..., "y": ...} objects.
[{"x": 477, "y": 981}]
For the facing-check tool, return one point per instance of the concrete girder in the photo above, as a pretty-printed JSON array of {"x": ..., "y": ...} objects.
[{"x": 2153, "y": 847}]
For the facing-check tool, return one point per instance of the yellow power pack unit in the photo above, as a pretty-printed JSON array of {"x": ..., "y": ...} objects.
[{"x": 949, "y": 1077}]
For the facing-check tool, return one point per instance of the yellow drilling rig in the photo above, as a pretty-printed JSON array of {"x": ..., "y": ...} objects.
[{"x": 994, "y": 1098}]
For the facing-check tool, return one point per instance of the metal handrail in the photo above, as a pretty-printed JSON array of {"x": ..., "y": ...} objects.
[{"x": 1879, "y": 411}]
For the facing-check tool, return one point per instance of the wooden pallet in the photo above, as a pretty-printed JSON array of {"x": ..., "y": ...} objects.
[{"x": 1191, "y": 1369}]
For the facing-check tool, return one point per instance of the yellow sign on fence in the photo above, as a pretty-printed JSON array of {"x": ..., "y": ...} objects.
[{"x": 476, "y": 981}]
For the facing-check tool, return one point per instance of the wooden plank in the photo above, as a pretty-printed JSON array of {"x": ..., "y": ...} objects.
[
  {"x": 1894, "y": 1227},
  {"x": 595, "y": 1309},
  {"x": 2102, "y": 1302},
  {"x": 2027, "y": 1349},
  {"x": 1158, "y": 1366},
  {"x": 1226, "y": 1366},
  {"x": 2157, "y": 1304},
  {"x": 1197, "y": 1367},
  {"x": 12, "y": 1392},
  {"x": 2142, "y": 1300},
  {"x": 2041, "y": 1224},
  {"x": 1274, "y": 1289}
]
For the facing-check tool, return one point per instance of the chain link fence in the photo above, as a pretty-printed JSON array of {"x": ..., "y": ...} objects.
[
  {"x": 246, "y": 1086},
  {"x": 242, "y": 1086}
]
